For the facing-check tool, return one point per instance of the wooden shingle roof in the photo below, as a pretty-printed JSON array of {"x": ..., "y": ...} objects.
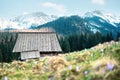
[{"x": 40, "y": 41}]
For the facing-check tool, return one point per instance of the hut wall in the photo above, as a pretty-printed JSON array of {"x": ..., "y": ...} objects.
[
  {"x": 42, "y": 54},
  {"x": 30, "y": 54}
]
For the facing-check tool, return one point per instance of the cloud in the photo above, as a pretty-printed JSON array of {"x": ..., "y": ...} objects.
[
  {"x": 100, "y": 2},
  {"x": 56, "y": 7}
]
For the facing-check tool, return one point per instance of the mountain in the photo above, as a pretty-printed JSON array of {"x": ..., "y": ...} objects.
[
  {"x": 91, "y": 22},
  {"x": 67, "y": 25},
  {"x": 103, "y": 22},
  {"x": 25, "y": 21},
  {"x": 108, "y": 17}
]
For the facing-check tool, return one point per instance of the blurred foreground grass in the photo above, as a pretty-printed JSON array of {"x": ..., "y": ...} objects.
[{"x": 101, "y": 62}]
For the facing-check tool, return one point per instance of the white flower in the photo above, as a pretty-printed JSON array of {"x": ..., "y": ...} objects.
[
  {"x": 85, "y": 72},
  {"x": 70, "y": 67},
  {"x": 101, "y": 50},
  {"x": 50, "y": 77},
  {"x": 77, "y": 68},
  {"x": 91, "y": 55},
  {"x": 92, "y": 48},
  {"x": 100, "y": 44},
  {"x": 85, "y": 49},
  {"x": 5, "y": 78},
  {"x": 35, "y": 62}
]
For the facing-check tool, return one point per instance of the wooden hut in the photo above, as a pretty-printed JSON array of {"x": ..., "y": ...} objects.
[{"x": 37, "y": 44}]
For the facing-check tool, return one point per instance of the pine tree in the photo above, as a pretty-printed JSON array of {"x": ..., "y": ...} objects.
[
  {"x": 1, "y": 57},
  {"x": 6, "y": 46},
  {"x": 98, "y": 37},
  {"x": 65, "y": 44},
  {"x": 118, "y": 36}
]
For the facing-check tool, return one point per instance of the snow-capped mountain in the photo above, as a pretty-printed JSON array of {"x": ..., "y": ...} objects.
[
  {"x": 108, "y": 17},
  {"x": 91, "y": 22},
  {"x": 102, "y": 21},
  {"x": 26, "y": 21},
  {"x": 4, "y": 22}
]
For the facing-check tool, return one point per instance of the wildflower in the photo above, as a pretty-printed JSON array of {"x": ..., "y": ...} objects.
[
  {"x": 65, "y": 58},
  {"x": 103, "y": 71},
  {"x": 5, "y": 78},
  {"x": 35, "y": 62},
  {"x": 110, "y": 66},
  {"x": 100, "y": 44},
  {"x": 70, "y": 67},
  {"x": 92, "y": 48},
  {"x": 101, "y": 50},
  {"x": 77, "y": 68},
  {"x": 91, "y": 55},
  {"x": 50, "y": 77},
  {"x": 85, "y": 72},
  {"x": 85, "y": 49}
]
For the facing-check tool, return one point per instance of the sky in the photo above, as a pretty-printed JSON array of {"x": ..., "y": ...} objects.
[{"x": 11, "y": 8}]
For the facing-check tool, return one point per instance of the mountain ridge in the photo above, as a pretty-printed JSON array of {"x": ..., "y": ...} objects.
[
  {"x": 27, "y": 20},
  {"x": 91, "y": 22}
]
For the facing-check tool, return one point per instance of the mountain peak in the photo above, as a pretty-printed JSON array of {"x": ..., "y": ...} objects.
[
  {"x": 25, "y": 21},
  {"x": 96, "y": 13},
  {"x": 110, "y": 18}
]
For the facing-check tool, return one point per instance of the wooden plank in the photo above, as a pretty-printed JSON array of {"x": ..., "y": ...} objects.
[{"x": 37, "y": 41}]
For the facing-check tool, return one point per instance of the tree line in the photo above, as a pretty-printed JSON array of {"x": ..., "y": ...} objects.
[
  {"x": 78, "y": 42},
  {"x": 7, "y": 42},
  {"x": 69, "y": 43}
]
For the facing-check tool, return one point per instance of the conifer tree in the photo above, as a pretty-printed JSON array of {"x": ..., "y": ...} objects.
[
  {"x": 1, "y": 56},
  {"x": 118, "y": 36}
]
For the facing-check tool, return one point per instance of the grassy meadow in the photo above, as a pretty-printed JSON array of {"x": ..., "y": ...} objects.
[{"x": 101, "y": 62}]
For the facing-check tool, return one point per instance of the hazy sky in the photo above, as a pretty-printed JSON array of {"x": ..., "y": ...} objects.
[{"x": 11, "y": 8}]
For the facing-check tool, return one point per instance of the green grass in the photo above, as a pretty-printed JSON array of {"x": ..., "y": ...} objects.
[{"x": 101, "y": 62}]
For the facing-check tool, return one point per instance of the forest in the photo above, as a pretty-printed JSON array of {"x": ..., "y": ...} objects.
[{"x": 75, "y": 42}]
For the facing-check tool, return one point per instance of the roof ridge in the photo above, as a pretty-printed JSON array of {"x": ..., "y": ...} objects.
[{"x": 35, "y": 32}]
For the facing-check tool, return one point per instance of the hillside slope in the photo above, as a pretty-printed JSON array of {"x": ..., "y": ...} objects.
[{"x": 98, "y": 63}]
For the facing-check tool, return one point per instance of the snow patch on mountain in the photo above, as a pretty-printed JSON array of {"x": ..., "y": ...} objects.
[
  {"x": 26, "y": 21},
  {"x": 94, "y": 24},
  {"x": 101, "y": 20},
  {"x": 110, "y": 18},
  {"x": 93, "y": 29}
]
